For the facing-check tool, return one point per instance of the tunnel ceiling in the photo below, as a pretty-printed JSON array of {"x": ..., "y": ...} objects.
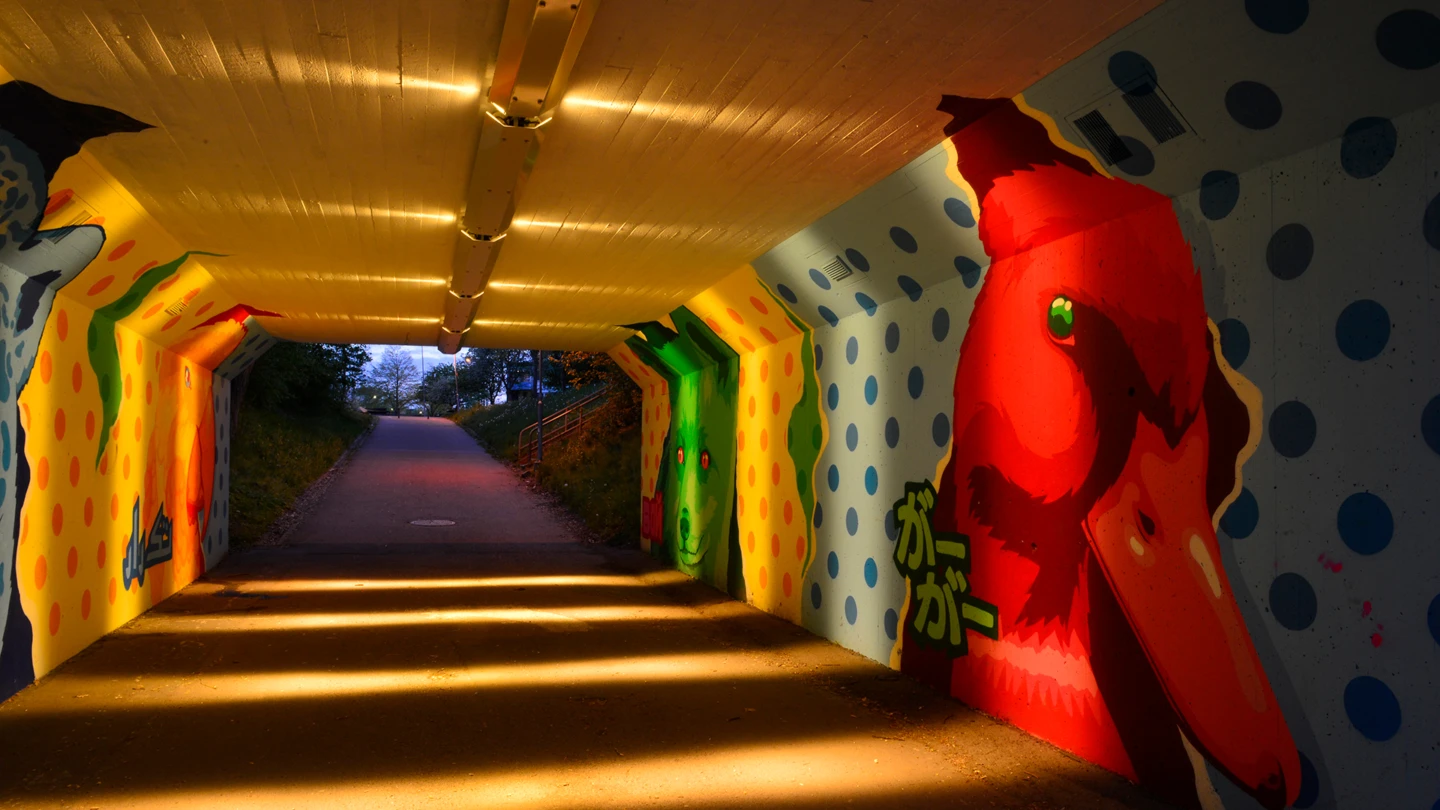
[{"x": 326, "y": 147}]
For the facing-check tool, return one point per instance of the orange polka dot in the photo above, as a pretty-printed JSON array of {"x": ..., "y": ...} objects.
[
  {"x": 789, "y": 512},
  {"x": 785, "y": 584},
  {"x": 119, "y": 253},
  {"x": 72, "y": 562},
  {"x": 157, "y": 359},
  {"x": 764, "y": 509},
  {"x": 750, "y": 541},
  {"x": 764, "y": 578},
  {"x": 774, "y": 545},
  {"x": 749, "y": 347},
  {"x": 734, "y": 316},
  {"x": 775, "y": 403},
  {"x": 768, "y": 335},
  {"x": 144, "y": 268},
  {"x": 740, "y": 503},
  {"x": 740, "y": 440},
  {"x": 99, "y": 286},
  {"x": 764, "y": 370},
  {"x": 800, "y": 548},
  {"x": 85, "y": 604},
  {"x": 153, "y": 310},
  {"x": 89, "y": 420},
  {"x": 793, "y": 327},
  {"x": 714, "y": 327},
  {"x": 752, "y": 476},
  {"x": 42, "y": 571},
  {"x": 112, "y": 590},
  {"x": 742, "y": 376},
  {"x": 42, "y": 473},
  {"x": 62, "y": 325},
  {"x": 57, "y": 519},
  {"x": 759, "y": 305},
  {"x": 60, "y": 423},
  {"x": 54, "y": 618},
  {"x": 752, "y": 406},
  {"x": 95, "y": 221},
  {"x": 139, "y": 354},
  {"x": 100, "y": 552},
  {"x": 24, "y": 528},
  {"x": 90, "y": 516},
  {"x": 167, "y": 283},
  {"x": 764, "y": 440},
  {"x": 170, "y": 323},
  {"x": 47, "y": 367},
  {"x": 204, "y": 308},
  {"x": 129, "y": 384},
  {"x": 775, "y": 473},
  {"x": 139, "y": 429},
  {"x": 104, "y": 464},
  {"x": 74, "y": 471},
  {"x": 789, "y": 364},
  {"x": 114, "y": 507},
  {"x": 77, "y": 378}
]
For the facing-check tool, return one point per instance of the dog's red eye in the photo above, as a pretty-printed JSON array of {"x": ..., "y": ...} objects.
[
  {"x": 704, "y": 459},
  {"x": 680, "y": 455}
]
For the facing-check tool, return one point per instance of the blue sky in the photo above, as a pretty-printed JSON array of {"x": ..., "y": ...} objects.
[{"x": 431, "y": 355}]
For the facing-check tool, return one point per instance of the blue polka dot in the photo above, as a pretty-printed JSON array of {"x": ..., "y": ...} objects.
[
  {"x": 891, "y": 532},
  {"x": 1219, "y": 191},
  {"x": 1128, "y": 69},
  {"x": 1253, "y": 105},
  {"x": 820, "y": 279},
  {"x": 1289, "y": 251},
  {"x": 1309, "y": 784},
  {"x": 866, "y": 303},
  {"x": 815, "y": 595},
  {"x": 910, "y": 287},
  {"x": 857, "y": 260},
  {"x": 1409, "y": 39},
  {"x": 832, "y": 396},
  {"x": 892, "y": 624},
  {"x": 872, "y": 573},
  {"x": 1430, "y": 225},
  {"x": 852, "y": 521},
  {"x": 787, "y": 293},
  {"x": 819, "y": 355},
  {"x": 1362, "y": 330},
  {"x": 1242, "y": 516},
  {"x": 903, "y": 239},
  {"x": 1292, "y": 601},
  {"x": 959, "y": 213},
  {"x": 969, "y": 271},
  {"x": 852, "y": 611},
  {"x": 892, "y": 432},
  {"x": 1278, "y": 16},
  {"x": 1292, "y": 429},
  {"x": 892, "y": 337},
  {"x": 1432, "y": 618},
  {"x": 832, "y": 565},
  {"x": 872, "y": 480},
  {"x": 1430, "y": 424},
  {"x": 872, "y": 389},
  {"x": 829, "y": 316},
  {"x": 834, "y": 478},
  {"x": 1234, "y": 342},
  {"x": 940, "y": 324},
  {"x": 819, "y": 515},
  {"x": 852, "y": 437},
  {"x": 916, "y": 382},
  {"x": 1372, "y": 708},
  {"x": 1365, "y": 523},
  {"x": 1141, "y": 160},
  {"x": 940, "y": 429},
  {"x": 1367, "y": 147},
  {"x": 852, "y": 350}
]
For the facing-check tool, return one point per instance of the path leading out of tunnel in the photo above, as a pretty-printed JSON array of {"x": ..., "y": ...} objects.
[{"x": 366, "y": 665}]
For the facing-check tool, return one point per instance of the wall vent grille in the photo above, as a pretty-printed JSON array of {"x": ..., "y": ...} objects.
[
  {"x": 837, "y": 270},
  {"x": 1149, "y": 105},
  {"x": 1102, "y": 137},
  {"x": 177, "y": 307}
]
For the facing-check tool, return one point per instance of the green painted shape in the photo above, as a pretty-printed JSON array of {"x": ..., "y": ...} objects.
[
  {"x": 100, "y": 341},
  {"x": 703, "y": 377},
  {"x": 805, "y": 433}
]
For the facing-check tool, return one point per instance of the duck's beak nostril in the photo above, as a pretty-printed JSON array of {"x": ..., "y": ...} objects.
[{"x": 1147, "y": 524}]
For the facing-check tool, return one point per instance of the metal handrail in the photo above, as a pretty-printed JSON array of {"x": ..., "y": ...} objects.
[{"x": 558, "y": 425}]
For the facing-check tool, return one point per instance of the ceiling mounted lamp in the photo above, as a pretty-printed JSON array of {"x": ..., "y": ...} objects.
[
  {"x": 537, "y": 49},
  {"x": 450, "y": 339}
]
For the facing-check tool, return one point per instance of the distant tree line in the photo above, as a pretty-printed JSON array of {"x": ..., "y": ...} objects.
[{"x": 474, "y": 377}]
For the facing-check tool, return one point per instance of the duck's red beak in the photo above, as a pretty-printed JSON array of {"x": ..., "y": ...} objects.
[{"x": 1153, "y": 536}]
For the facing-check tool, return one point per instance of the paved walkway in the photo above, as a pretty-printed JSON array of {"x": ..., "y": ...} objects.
[{"x": 507, "y": 666}]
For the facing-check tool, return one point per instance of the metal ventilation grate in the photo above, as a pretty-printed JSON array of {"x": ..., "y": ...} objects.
[
  {"x": 1149, "y": 105},
  {"x": 177, "y": 307},
  {"x": 837, "y": 270},
  {"x": 1102, "y": 137}
]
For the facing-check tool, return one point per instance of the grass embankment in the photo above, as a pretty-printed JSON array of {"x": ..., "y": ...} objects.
[
  {"x": 595, "y": 472},
  {"x": 275, "y": 457}
]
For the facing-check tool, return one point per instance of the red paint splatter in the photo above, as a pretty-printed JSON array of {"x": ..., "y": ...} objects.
[
  {"x": 1365, "y": 608},
  {"x": 1376, "y": 639},
  {"x": 1331, "y": 565}
]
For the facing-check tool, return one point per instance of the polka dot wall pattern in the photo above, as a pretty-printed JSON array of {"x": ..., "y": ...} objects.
[{"x": 1285, "y": 198}]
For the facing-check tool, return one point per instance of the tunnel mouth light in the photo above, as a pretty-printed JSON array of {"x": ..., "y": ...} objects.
[
  {"x": 447, "y": 330},
  {"x": 432, "y": 521}
]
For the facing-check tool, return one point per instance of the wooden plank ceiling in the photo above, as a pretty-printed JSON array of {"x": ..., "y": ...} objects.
[{"x": 325, "y": 145}]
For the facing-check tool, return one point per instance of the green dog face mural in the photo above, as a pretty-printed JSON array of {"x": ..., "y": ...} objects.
[{"x": 697, "y": 479}]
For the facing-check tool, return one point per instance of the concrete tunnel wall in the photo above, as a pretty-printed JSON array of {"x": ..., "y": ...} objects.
[
  {"x": 799, "y": 415},
  {"x": 119, "y": 349}
]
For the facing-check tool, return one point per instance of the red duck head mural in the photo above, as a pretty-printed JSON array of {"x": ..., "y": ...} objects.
[{"x": 1096, "y": 440}]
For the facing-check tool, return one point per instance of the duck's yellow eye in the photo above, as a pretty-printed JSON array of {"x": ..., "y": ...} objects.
[{"x": 1062, "y": 317}]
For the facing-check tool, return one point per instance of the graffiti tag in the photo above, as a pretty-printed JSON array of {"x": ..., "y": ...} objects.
[{"x": 145, "y": 550}]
